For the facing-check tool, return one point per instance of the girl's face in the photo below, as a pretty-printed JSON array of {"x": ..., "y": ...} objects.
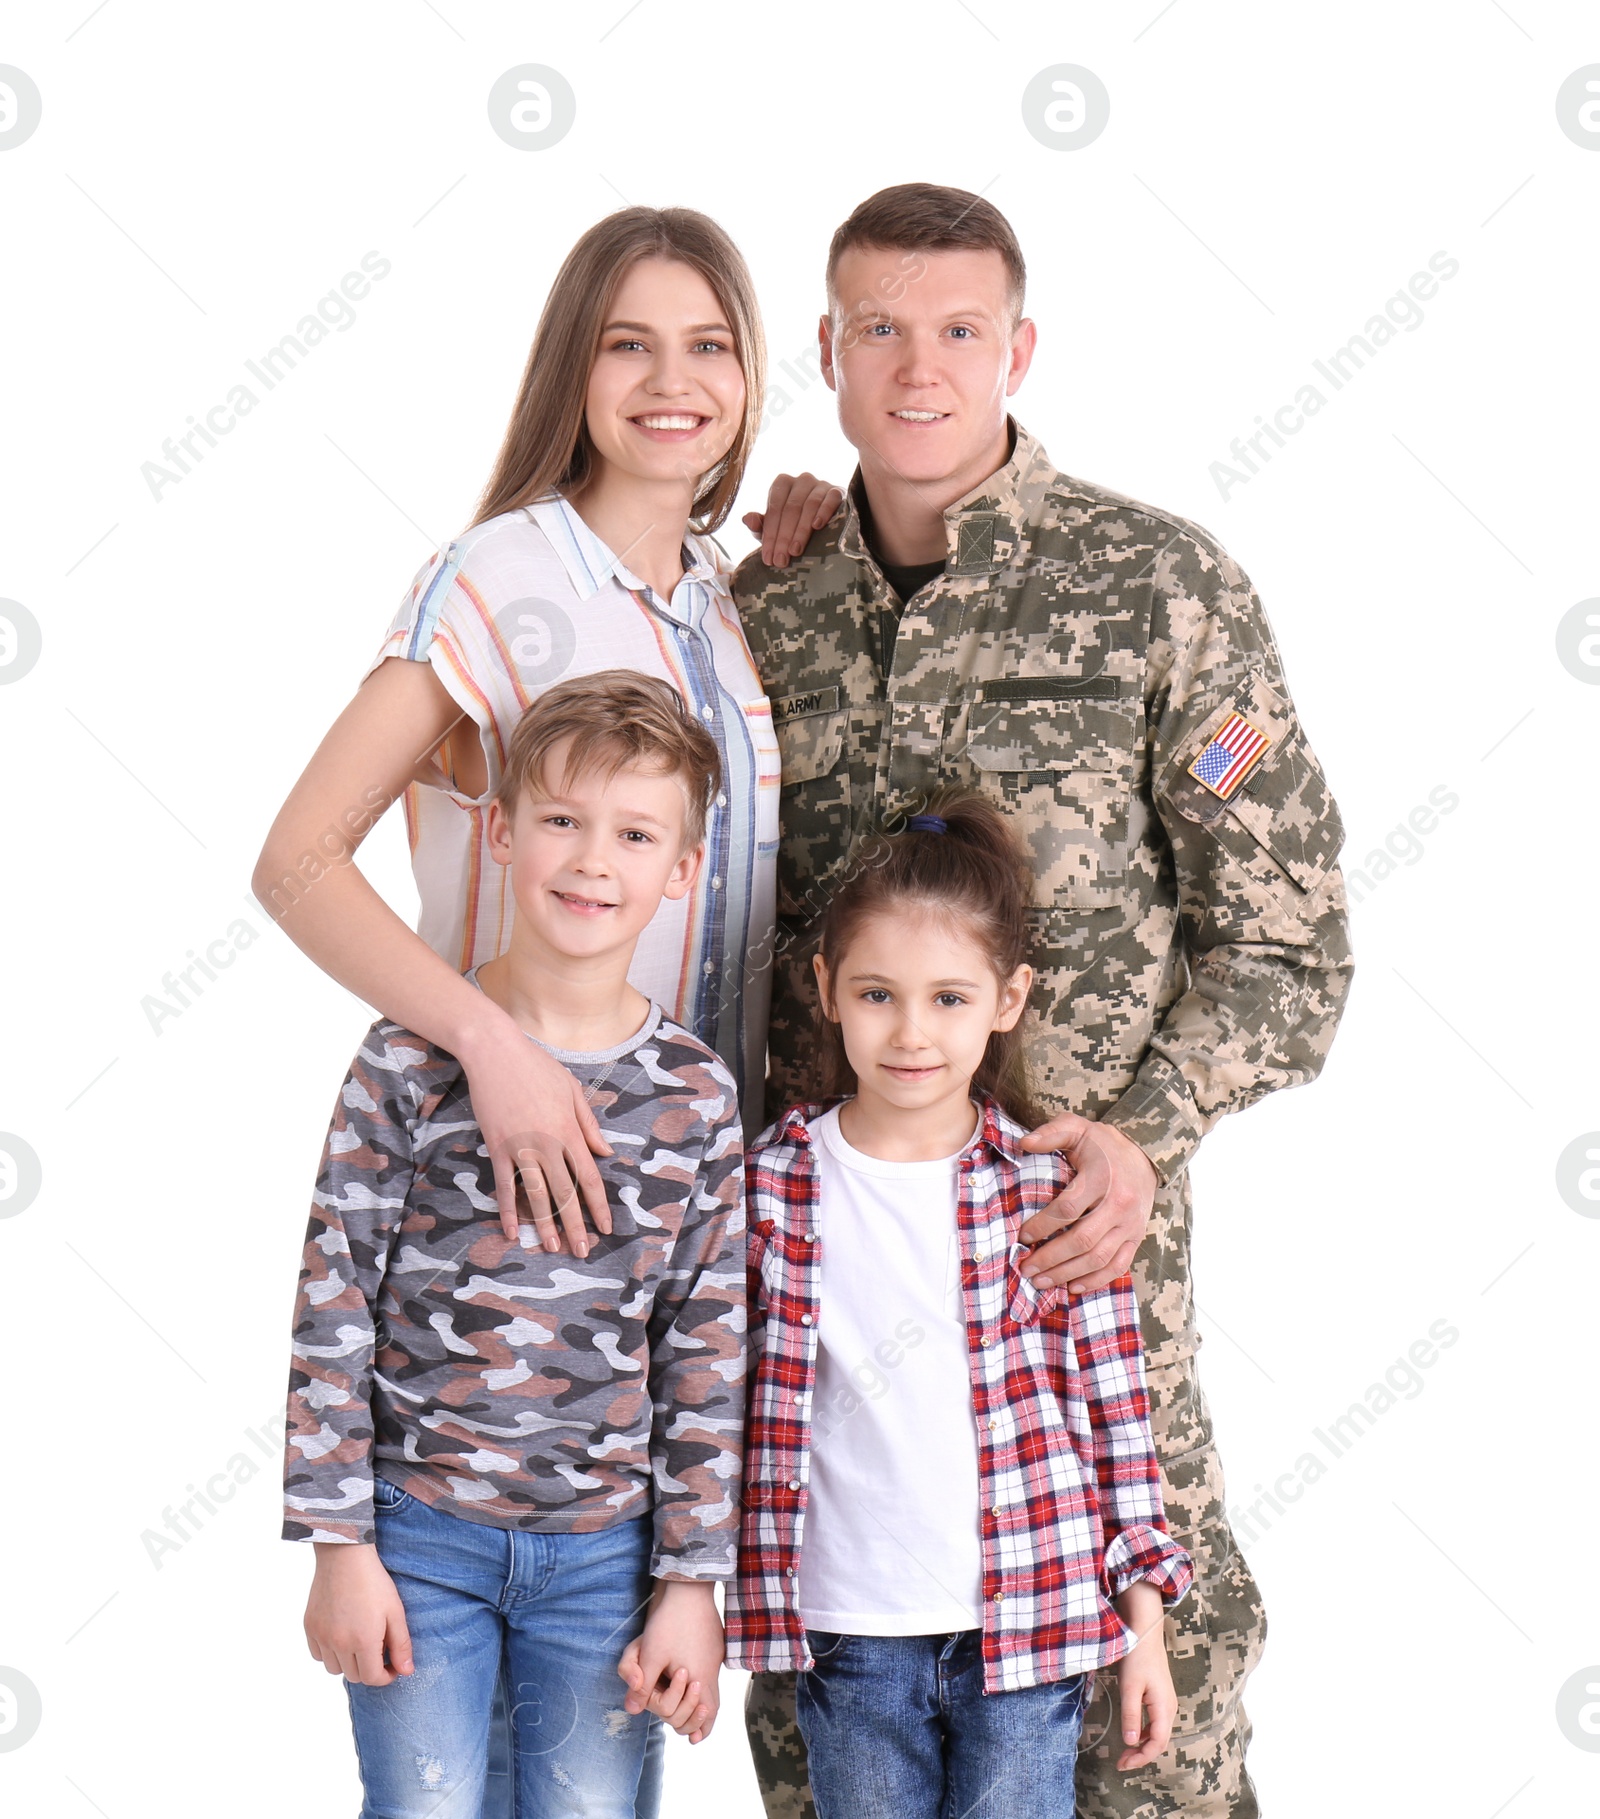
[
  {"x": 666, "y": 393},
  {"x": 916, "y": 999}
]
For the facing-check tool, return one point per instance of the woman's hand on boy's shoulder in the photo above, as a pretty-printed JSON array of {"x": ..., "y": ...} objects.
[
  {"x": 1086, "y": 1237},
  {"x": 542, "y": 1138},
  {"x": 355, "y": 1622}
]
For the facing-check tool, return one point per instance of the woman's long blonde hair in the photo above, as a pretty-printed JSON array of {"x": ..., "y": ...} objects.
[{"x": 547, "y": 446}]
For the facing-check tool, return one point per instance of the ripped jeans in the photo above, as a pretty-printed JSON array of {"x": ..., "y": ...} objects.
[{"x": 560, "y": 1609}]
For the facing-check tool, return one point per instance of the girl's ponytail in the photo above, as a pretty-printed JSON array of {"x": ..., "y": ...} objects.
[{"x": 958, "y": 858}]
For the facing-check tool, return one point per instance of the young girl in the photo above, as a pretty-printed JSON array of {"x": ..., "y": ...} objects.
[{"x": 952, "y": 1507}]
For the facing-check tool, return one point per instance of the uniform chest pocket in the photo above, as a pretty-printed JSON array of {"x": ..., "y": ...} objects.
[
  {"x": 814, "y": 797},
  {"x": 809, "y": 745},
  {"x": 1063, "y": 769}
]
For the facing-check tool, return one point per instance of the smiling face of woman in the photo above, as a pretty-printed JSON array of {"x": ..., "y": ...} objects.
[{"x": 666, "y": 393}]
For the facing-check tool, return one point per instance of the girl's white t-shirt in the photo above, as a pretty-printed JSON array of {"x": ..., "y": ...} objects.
[{"x": 891, "y": 1538}]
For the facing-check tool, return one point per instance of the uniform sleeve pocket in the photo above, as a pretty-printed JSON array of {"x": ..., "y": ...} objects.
[{"x": 1282, "y": 806}]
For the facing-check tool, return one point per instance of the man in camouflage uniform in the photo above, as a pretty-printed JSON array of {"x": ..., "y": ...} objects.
[{"x": 1105, "y": 672}]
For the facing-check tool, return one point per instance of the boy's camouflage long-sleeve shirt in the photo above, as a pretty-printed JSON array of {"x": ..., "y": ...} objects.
[
  {"x": 521, "y": 1388},
  {"x": 1079, "y": 654}
]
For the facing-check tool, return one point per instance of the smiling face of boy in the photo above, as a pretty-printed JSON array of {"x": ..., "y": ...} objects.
[
  {"x": 591, "y": 857},
  {"x": 922, "y": 380}
]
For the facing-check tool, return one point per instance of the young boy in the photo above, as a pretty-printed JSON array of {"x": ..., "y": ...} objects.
[{"x": 495, "y": 1448}]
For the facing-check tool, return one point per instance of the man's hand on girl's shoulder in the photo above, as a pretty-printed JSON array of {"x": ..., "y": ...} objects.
[
  {"x": 1086, "y": 1237},
  {"x": 355, "y": 1623}
]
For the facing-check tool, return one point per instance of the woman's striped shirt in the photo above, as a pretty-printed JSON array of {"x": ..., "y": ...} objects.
[{"x": 528, "y": 599}]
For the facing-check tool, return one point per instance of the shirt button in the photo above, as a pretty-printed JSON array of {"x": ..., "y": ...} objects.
[
  {"x": 999, "y": 1597},
  {"x": 994, "y": 1424},
  {"x": 985, "y": 1340},
  {"x": 995, "y": 1511},
  {"x": 722, "y": 800},
  {"x": 811, "y": 1237},
  {"x": 683, "y": 631},
  {"x": 709, "y": 967},
  {"x": 805, "y": 1320},
  {"x": 705, "y": 713},
  {"x": 979, "y": 1256},
  {"x": 788, "y": 1572},
  {"x": 794, "y": 1484},
  {"x": 716, "y": 884}
]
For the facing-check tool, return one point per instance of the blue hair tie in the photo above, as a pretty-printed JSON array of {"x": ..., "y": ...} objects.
[{"x": 927, "y": 824}]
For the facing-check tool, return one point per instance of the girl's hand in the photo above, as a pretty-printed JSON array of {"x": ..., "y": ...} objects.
[
  {"x": 672, "y": 1667},
  {"x": 355, "y": 1623},
  {"x": 537, "y": 1124},
  {"x": 676, "y": 1699},
  {"x": 1144, "y": 1680},
  {"x": 797, "y": 505}
]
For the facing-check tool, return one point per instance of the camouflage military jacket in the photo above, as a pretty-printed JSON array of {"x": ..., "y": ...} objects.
[{"x": 1105, "y": 673}]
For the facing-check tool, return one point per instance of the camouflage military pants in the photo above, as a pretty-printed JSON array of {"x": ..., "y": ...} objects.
[{"x": 1214, "y": 1637}]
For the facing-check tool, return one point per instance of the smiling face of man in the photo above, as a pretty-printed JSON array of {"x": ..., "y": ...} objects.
[{"x": 922, "y": 379}]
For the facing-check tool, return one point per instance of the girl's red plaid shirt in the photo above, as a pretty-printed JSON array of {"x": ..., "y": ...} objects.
[{"x": 1071, "y": 1511}]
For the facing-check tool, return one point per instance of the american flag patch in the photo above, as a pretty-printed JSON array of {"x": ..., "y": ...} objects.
[{"x": 1227, "y": 760}]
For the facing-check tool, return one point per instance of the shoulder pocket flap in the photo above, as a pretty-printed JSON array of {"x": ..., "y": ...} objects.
[
  {"x": 1049, "y": 733},
  {"x": 1283, "y": 803}
]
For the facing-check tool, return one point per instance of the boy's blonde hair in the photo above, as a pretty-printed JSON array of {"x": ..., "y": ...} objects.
[{"x": 615, "y": 718}]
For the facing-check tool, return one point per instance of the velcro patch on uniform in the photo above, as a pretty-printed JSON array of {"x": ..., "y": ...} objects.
[
  {"x": 1051, "y": 688},
  {"x": 1230, "y": 757},
  {"x": 814, "y": 701}
]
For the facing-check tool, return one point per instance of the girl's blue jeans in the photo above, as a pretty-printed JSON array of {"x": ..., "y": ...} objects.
[
  {"x": 899, "y": 1727},
  {"x": 557, "y": 1610}
]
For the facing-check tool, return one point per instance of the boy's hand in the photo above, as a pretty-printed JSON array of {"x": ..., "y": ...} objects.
[
  {"x": 355, "y": 1622},
  {"x": 797, "y": 505},
  {"x": 1144, "y": 1680},
  {"x": 1086, "y": 1237},
  {"x": 671, "y": 1667}
]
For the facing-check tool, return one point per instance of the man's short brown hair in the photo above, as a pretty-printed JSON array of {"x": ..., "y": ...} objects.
[
  {"x": 926, "y": 217},
  {"x": 616, "y": 719}
]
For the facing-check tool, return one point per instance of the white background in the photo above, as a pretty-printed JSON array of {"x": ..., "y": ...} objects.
[{"x": 1269, "y": 177}]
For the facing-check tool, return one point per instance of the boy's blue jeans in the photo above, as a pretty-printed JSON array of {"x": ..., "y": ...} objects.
[
  {"x": 559, "y": 1610},
  {"x": 898, "y": 1727}
]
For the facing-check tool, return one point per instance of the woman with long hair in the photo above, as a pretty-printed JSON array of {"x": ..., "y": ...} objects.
[{"x": 590, "y": 549}]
